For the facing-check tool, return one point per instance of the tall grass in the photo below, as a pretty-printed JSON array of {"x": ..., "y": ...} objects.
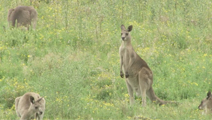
[{"x": 72, "y": 57}]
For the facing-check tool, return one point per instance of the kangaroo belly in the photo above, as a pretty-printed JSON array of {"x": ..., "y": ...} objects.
[{"x": 133, "y": 82}]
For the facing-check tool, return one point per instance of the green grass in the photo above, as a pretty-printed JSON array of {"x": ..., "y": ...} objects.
[{"x": 72, "y": 58}]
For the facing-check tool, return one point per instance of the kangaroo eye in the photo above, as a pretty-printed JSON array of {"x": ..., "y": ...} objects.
[
  {"x": 121, "y": 33},
  {"x": 36, "y": 107},
  {"x": 126, "y": 34}
]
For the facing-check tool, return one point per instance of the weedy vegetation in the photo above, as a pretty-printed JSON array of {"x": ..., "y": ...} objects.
[{"x": 72, "y": 57}]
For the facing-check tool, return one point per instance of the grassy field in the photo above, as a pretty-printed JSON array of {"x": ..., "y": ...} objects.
[{"x": 72, "y": 58}]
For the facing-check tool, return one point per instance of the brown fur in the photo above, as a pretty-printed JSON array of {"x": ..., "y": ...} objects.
[
  {"x": 22, "y": 16},
  {"x": 206, "y": 104},
  {"x": 30, "y": 106},
  {"x": 138, "y": 75}
]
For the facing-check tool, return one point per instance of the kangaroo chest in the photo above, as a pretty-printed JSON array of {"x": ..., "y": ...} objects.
[{"x": 128, "y": 55}]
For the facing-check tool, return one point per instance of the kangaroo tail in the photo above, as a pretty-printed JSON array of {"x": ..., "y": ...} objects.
[{"x": 154, "y": 98}]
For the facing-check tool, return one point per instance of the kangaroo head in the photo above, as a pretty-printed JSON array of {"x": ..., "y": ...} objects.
[
  {"x": 207, "y": 102},
  {"x": 36, "y": 106},
  {"x": 125, "y": 33}
]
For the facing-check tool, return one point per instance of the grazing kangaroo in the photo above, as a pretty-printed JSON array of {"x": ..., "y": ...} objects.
[
  {"x": 138, "y": 75},
  {"x": 30, "y": 106},
  {"x": 22, "y": 16},
  {"x": 206, "y": 104}
]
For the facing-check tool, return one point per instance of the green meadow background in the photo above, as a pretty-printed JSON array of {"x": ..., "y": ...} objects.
[{"x": 72, "y": 57}]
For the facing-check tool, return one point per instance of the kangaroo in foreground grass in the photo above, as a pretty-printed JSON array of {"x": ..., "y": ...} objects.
[
  {"x": 206, "y": 104},
  {"x": 30, "y": 106},
  {"x": 22, "y": 16},
  {"x": 138, "y": 75}
]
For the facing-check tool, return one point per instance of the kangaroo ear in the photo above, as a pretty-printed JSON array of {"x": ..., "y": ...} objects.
[
  {"x": 123, "y": 27},
  {"x": 208, "y": 94},
  {"x": 39, "y": 99},
  {"x": 130, "y": 28},
  {"x": 32, "y": 100}
]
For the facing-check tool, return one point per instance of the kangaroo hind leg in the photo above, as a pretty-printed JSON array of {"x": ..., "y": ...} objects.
[{"x": 142, "y": 79}]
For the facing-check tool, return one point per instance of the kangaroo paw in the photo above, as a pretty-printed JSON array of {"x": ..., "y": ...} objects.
[{"x": 126, "y": 75}]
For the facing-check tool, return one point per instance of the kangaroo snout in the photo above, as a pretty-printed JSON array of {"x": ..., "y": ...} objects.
[
  {"x": 122, "y": 38},
  {"x": 199, "y": 107}
]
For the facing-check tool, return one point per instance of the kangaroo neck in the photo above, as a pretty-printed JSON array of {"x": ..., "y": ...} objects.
[
  {"x": 127, "y": 43},
  {"x": 28, "y": 114}
]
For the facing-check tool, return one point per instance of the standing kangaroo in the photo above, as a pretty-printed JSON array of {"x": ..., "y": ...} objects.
[
  {"x": 206, "y": 104},
  {"x": 138, "y": 75},
  {"x": 30, "y": 106},
  {"x": 22, "y": 16}
]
